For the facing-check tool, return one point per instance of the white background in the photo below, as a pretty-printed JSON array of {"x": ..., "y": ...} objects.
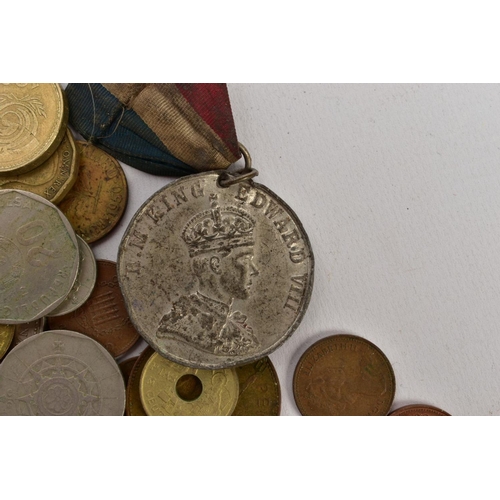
[{"x": 398, "y": 187}]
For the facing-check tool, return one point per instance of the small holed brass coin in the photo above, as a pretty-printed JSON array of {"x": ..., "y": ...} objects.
[
  {"x": 215, "y": 276},
  {"x": 418, "y": 411},
  {"x": 27, "y": 330},
  {"x": 168, "y": 388},
  {"x": 39, "y": 257},
  {"x": 99, "y": 196},
  {"x": 103, "y": 316},
  {"x": 33, "y": 119},
  {"x": 60, "y": 373},
  {"x": 260, "y": 393},
  {"x": 344, "y": 375},
  {"x": 134, "y": 406},
  {"x": 54, "y": 178},
  {"x": 6, "y": 337},
  {"x": 84, "y": 283}
]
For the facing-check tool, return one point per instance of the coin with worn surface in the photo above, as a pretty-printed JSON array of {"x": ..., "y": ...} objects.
[
  {"x": 53, "y": 178},
  {"x": 168, "y": 388},
  {"x": 215, "y": 277},
  {"x": 84, "y": 283},
  {"x": 134, "y": 406},
  {"x": 39, "y": 257},
  {"x": 418, "y": 411},
  {"x": 60, "y": 373},
  {"x": 260, "y": 393},
  {"x": 103, "y": 316},
  {"x": 6, "y": 337},
  {"x": 99, "y": 196},
  {"x": 126, "y": 368},
  {"x": 33, "y": 118},
  {"x": 344, "y": 375},
  {"x": 24, "y": 331}
]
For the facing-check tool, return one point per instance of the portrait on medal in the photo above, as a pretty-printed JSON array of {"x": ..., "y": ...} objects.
[{"x": 220, "y": 245}]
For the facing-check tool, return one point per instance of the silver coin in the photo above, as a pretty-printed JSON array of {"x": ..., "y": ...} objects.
[
  {"x": 39, "y": 257},
  {"x": 26, "y": 330},
  {"x": 215, "y": 277},
  {"x": 84, "y": 283},
  {"x": 60, "y": 373}
]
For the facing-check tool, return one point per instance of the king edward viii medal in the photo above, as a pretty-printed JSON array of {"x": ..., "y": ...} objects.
[{"x": 215, "y": 276}]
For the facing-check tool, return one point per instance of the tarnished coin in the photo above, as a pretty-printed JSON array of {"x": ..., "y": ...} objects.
[
  {"x": 103, "y": 316},
  {"x": 60, "y": 373},
  {"x": 84, "y": 283},
  {"x": 26, "y": 330},
  {"x": 6, "y": 336},
  {"x": 418, "y": 411},
  {"x": 260, "y": 392},
  {"x": 344, "y": 375},
  {"x": 134, "y": 404},
  {"x": 39, "y": 257},
  {"x": 126, "y": 368},
  {"x": 168, "y": 388},
  {"x": 215, "y": 277},
  {"x": 99, "y": 196},
  {"x": 53, "y": 178},
  {"x": 33, "y": 119}
]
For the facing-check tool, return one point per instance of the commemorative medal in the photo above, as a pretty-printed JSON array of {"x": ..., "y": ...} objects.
[{"x": 216, "y": 270}]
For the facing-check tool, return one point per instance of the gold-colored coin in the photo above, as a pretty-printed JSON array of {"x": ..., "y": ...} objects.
[
  {"x": 6, "y": 336},
  {"x": 99, "y": 196},
  {"x": 53, "y": 178},
  {"x": 33, "y": 119},
  {"x": 168, "y": 388},
  {"x": 260, "y": 393},
  {"x": 134, "y": 406}
]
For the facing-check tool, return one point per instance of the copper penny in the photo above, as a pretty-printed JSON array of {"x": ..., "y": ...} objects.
[
  {"x": 134, "y": 406},
  {"x": 344, "y": 375},
  {"x": 260, "y": 393},
  {"x": 419, "y": 411},
  {"x": 126, "y": 368},
  {"x": 99, "y": 196},
  {"x": 103, "y": 317}
]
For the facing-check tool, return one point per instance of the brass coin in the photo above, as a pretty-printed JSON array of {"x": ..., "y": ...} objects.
[
  {"x": 419, "y": 411},
  {"x": 6, "y": 337},
  {"x": 134, "y": 406},
  {"x": 344, "y": 375},
  {"x": 103, "y": 317},
  {"x": 27, "y": 330},
  {"x": 260, "y": 393},
  {"x": 168, "y": 388},
  {"x": 126, "y": 368},
  {"x": 33, "y": 119},
  {"x": 54, "y": 178},
  {"x": 99, "y": 196}
]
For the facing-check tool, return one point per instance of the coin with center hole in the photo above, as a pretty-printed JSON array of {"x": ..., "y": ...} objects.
[{"x": 168, "y": 388}]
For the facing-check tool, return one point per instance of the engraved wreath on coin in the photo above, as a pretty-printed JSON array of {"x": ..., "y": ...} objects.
[{"x": 19, "y": 117}]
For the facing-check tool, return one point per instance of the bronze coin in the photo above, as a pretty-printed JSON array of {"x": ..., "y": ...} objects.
[
  {"x": 99, "y": 196},
  {"x": 103, "y": 317},
  {"x": 344, "y": 375},
  {"x": 260, "y": 393},
  {"x": 134, "y": 406},
  {"x": 6, "y": 336},
  {"x": 126, "y": 368},
  {"x": 419, "y": 411}
]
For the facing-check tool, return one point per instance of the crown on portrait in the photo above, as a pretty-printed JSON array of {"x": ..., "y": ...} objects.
[{"x": 218, "y": 229}]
